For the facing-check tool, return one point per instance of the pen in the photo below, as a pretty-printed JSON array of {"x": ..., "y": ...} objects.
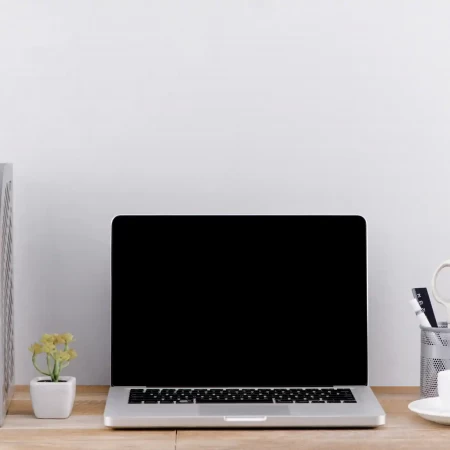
[{"x": 421, "y": 317}]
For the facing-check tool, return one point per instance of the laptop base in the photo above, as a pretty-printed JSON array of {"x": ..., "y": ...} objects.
[{"x": 366, "y": 413}]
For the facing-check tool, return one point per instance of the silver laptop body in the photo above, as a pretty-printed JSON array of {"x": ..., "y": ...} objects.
[
  {"x": 367, "y": 412},
  {"x": 176, "y": 379}
]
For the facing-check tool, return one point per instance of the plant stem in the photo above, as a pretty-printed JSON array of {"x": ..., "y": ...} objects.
[
  {"x": 56, "y": 371},
  {"x": 37, "y": 368},
  {"x": 48, "y": 363}
]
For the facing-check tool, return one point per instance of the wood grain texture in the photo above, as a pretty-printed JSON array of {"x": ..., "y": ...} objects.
[
  {"x": 404, "y": 430},
  {"x": 82, "y": 439},
  {"x": 85, "y": 430}
]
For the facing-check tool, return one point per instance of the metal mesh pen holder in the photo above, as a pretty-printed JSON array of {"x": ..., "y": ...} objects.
[{"x": 434, "y": 357}]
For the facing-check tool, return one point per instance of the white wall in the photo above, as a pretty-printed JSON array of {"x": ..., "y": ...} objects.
[{"x": 227, "y": 106}]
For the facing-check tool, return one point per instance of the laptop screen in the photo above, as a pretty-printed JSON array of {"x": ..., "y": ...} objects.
[{"x": 249, "y": 301}]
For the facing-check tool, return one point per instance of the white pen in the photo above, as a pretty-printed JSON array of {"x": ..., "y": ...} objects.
[
  {"x": 421, "y": 317},
  {"x": 423, "y": 320}
]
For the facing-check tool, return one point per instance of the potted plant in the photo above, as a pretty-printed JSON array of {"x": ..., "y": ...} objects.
[{"x": 52, "y": 395}]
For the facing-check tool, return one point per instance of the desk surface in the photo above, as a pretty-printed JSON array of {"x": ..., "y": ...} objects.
[{"x": 85, "y": 430}]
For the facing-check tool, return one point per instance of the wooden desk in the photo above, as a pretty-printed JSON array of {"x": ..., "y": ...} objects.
[{"x": 84, "y": 430}]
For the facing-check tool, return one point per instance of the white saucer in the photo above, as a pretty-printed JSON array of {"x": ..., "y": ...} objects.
[{"x": 431, "y": 409}]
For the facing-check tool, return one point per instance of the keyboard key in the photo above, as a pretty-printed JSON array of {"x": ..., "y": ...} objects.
[{"x": 247, "y": 395}]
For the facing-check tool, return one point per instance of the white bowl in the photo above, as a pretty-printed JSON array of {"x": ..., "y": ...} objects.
[{"x": 431, "y": 409}]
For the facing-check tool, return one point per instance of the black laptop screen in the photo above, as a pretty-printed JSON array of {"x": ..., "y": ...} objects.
[{"x": 230, "y": 301}]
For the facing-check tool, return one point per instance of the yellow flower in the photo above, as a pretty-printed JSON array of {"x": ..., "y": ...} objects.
[
  {"x": 62, "y": 356},
  {"x": 48, "y": 347},
  {"x": 59, "y": 339},
  {"x": 72, "y": 353},
  {"x": 47, "y": 339},
  {"x": 36, "y": 349},
  {"x": 67, "y": 337}
]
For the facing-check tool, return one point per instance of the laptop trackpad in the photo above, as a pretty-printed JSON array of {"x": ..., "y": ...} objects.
[{"x": 244, "y": 410}]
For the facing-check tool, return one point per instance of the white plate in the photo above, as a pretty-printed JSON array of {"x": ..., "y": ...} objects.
[{"x": 431, "y": 409}]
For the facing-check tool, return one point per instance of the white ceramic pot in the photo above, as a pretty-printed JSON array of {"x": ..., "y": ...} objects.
[{"x": 52, "y": 400}]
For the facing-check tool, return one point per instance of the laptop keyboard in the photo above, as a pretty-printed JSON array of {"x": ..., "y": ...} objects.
[{"x": 187, "y": 396}]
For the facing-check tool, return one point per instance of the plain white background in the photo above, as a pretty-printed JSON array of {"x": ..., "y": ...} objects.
[{"x": 203, "y": 106}]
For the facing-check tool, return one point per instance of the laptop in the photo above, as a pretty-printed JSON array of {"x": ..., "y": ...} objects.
[{"x": 239, "y": 321}]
